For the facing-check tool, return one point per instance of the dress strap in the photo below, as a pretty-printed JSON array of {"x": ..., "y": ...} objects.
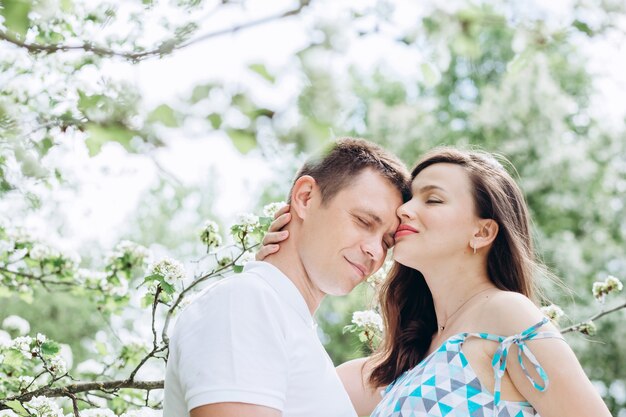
[{"x": 502, "y": 353}]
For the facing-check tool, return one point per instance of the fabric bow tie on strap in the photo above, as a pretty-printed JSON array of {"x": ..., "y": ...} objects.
[{"x": 502, "y": 353}]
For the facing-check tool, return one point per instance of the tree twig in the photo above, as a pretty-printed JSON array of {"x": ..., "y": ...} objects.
[
  {"x": 83, "y": 387},
  {"x": 165, "y": 48},
  {"x": 574, "y": 327}
]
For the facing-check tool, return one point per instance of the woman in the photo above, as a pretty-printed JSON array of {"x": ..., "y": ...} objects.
[{"x": 463, "y": 335}]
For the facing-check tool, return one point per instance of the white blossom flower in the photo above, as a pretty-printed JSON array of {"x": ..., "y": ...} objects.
[
  {"x": 57, "y": 366},
  {"x": 248, "y": 222},
  {"x": 588, "y": 328},
  {"x": 8, "y": 413},
  {"x": 601, "y": 289},
  {"x": 41, "y": 337},
  {"x": 19, "y": 235},
  {"x": 143, "y": 412},
  {"x": 127, "y": 253},
  {"x": 7, "y": 246},
  {"x": 170, "y": 269},
  {"x": 121, "y": 289},
  {"x": 43, "y": 407},
  {"x": 25, "y": 380},
  {"x": 613, "y": 284},
  {"x": 97, "y": 412},
  {"x": 40, "y": 252},
  {"x": 90, "y": 366},
  {"x": 5, "y": 339},
  {"x": 270, "y": 209},
  {"x": 16, "y": 324},
  {"x": 378, "y": 277},
  {"x": 89, "y": 277},
  {"x": 210, "y": 234},
  {"x": 553, "y": 312},
  {"x": 22, "y": 343},
  {"x": 368, "y": 318}
]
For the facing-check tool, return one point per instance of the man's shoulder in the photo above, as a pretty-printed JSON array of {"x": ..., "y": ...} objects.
[
  {"x": 244, "y": 283},
  {"x": 243, "y": 289}
]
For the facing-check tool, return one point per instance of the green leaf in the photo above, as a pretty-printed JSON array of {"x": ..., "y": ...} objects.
[
  {"x": 238, "y": 268},
  {"x": 244, "y": 140},
  {"x": 167, "y": 287},
  {"x": 151, "y": 278},
  {"x": 87, "y": 102},
  {"x": 215, "y": 119},
  {"x": 99, "y": 135},
  {"x": 27, "y": 297},
  {"x": 261, "y": 69},
  {"x": 101, "y": 348},
  {"x": 200, "y": 92},
  {"x": 5, "y": 292},
  {"x": 466, "y": 46},
  {"x": 519, "y": 62},
  {"x": 13, "y": 359},
  {"x": 15, "y": 13},
  {"x": 165, "y": 115},
  {"x": 16, "y": 406},
  {"x": 265, "y": 221},
  {"x": 430, "y": 74},
  {"x": 583, "y": 27},
  {"x": 50, "y": 348}
]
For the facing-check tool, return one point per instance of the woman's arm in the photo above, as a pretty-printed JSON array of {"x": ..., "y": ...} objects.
[
  {"x": 354, "y": 374},
  {"x": 569, "y": 392}
]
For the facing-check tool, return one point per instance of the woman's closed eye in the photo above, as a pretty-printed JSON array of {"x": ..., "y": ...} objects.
[{"x": 433, "y": 200}]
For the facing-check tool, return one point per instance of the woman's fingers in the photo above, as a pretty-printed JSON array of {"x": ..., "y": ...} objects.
[
  {"x": 279, "y": 222},
  {"x": 265, "y": 251},
  {"x": 275, "y": 237},
  {"x": 284, "y": 209}
]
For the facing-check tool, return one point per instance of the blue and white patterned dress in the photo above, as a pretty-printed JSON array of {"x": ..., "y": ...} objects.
[{"x": 444, "y": 384}]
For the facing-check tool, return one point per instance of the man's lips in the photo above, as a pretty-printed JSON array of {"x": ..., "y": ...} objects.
[
  {"x": 359, "y": 268},
  {"x": 403, "y": 230}
]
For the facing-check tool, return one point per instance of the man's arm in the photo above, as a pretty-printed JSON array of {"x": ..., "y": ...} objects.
[{"x": 234, "y": 410}]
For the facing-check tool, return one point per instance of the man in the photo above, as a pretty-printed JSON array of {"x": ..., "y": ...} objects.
[{"x": 248, "y": 345}]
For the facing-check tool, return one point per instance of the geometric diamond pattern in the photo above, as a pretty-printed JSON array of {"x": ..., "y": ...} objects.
[{"x": 444, "y": 384}]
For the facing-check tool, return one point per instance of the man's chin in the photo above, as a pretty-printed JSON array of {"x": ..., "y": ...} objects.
[{"x": 341, "y": 291}]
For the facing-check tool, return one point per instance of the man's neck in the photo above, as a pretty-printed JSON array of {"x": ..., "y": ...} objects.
[{"x": 290, "y": 264}]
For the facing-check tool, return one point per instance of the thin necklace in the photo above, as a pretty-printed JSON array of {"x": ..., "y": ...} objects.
[{"x": 442, "y": 327}]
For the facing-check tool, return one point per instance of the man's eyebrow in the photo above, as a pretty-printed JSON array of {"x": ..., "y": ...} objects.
[
  {"x": 376, "y": 219},
  {"x": 373, "y": 216}
]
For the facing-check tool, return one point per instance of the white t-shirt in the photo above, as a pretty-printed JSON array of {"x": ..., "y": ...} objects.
[{"x": 250, "y": 338}]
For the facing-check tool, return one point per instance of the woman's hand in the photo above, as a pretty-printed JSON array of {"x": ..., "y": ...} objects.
[{"x": 274, "y": 235}]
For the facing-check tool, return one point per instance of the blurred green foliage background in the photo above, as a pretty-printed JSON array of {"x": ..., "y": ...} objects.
[{"x": 496, "y": 75}]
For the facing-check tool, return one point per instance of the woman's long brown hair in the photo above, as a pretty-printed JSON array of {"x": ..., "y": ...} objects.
[{"x": 405, "y": 299}]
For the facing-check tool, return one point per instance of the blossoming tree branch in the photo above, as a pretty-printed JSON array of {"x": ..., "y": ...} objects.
[{"x": 34, "y": 377}]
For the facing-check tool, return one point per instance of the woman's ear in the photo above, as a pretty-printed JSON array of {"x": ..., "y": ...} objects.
[
  {"x": 485, "y": 234},
  {"x": 302, "y": 194}
]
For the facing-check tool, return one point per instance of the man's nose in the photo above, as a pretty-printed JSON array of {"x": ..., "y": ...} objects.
[{"x": 374, "y": 250}]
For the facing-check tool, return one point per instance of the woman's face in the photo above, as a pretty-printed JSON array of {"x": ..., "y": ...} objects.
[{"x": 439, "y": 222}]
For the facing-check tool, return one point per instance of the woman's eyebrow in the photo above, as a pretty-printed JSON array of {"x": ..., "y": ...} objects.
[{"x": 426, "y": 188}]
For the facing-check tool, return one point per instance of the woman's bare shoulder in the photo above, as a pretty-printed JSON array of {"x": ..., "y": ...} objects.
[{"x": 507, "y": 313}]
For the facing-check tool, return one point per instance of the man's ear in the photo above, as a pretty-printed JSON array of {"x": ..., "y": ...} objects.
[
  {"x": 302, "y": 195},
  {"x": 485, "y": 234}
]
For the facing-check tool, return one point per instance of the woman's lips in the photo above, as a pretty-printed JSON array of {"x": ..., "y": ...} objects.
[{"x": 404, "y": 230}]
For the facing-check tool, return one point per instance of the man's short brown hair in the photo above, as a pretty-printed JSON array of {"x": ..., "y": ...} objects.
[{"x": 345, "y": 159}]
